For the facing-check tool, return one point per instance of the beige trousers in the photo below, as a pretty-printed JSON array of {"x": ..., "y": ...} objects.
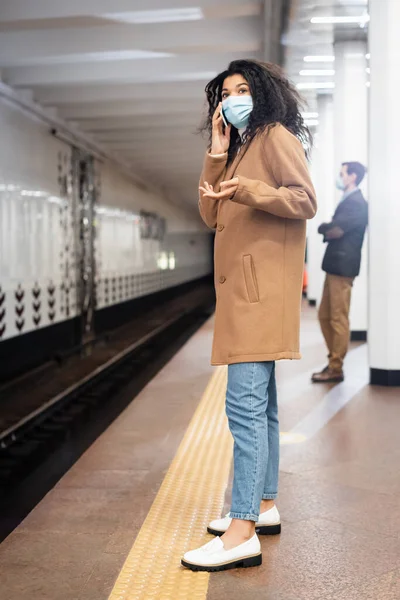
[{"x": 334, "y": 318}]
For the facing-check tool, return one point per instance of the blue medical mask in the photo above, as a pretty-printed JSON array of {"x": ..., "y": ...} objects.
[
  {"x": 237, "y": 110},
  {"x": 339, "y": 184}
]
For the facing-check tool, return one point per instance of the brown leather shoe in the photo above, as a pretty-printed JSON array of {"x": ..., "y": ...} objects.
[{"x": 327, "y": 375}]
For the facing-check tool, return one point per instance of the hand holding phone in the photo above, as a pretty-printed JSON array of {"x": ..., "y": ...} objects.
[{"x": 220, "y": 135}]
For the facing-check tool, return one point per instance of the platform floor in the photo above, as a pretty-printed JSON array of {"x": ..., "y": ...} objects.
[{"x": 97, "y": 534}]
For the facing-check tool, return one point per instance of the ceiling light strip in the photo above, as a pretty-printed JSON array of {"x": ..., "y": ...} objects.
[
  {"x": 328, "y": 85},
  {"x": 316, "y": 72},
  {"x": 141, "y": 17},
  {"x": 358, "y": 20}
]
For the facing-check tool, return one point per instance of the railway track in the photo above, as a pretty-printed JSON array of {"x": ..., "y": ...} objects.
[{"x": 29, "y": 439}]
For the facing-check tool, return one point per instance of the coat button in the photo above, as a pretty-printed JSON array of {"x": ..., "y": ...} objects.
[
  {"x": 220, "y": 227},
  {"x": 222, "y": 279}
]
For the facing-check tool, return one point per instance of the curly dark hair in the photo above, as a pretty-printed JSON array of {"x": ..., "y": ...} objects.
[{"x": 275, "y": 100}]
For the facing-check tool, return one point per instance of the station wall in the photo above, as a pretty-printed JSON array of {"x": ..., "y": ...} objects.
[{"x": 142, "y": 244}]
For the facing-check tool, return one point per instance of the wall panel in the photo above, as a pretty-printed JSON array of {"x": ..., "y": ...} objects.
[{"x": 142, "y": 243}]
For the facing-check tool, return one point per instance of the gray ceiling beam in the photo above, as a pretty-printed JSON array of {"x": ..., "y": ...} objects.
[
  {"x": 137, "y": 122},
  {"x": 178, "y": 155},
  {"x": 143, "y": 107},
  {"x": 138, "y": 145},
  {"x": 171, "y": 132},
  {"x": 179, "y": 68},
  {"x": 184, "y": 90},
  {"x": 15, "y": 10},
  {"x": 36, "y": 47}
]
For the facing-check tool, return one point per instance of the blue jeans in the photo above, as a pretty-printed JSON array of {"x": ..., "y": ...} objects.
[{"x": 252, "y": 410}]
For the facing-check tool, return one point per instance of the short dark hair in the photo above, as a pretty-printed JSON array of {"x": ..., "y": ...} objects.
[{"x": 357, "y": 168}]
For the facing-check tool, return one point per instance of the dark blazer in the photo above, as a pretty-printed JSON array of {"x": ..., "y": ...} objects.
[{"x": 345, "y": 236}]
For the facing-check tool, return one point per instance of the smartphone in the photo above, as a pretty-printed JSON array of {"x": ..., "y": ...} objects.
[{"x": 223, "y": 118}]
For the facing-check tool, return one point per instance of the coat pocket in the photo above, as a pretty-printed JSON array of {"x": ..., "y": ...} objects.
[{"x": 250, "y": 278}]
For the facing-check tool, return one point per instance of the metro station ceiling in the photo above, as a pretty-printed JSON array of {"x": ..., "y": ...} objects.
[
  {"x": 131, "y": 75},
  {"x": 309, "y": 41}
]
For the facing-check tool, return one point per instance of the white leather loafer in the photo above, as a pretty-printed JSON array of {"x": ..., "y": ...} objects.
[
  {"x": 269, "y": 523},
  {"x": 214, "y": 557}
]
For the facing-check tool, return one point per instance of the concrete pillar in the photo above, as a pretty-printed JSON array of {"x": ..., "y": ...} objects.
[
  {"x": 273, "y": 25},
  {"x": 384, "y": 153},
  {"x": 323, "y": 173},
  {"x": 351, "y": 144}
]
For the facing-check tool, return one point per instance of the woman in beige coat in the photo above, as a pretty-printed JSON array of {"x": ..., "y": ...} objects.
[{"x": 255, "y": 190}]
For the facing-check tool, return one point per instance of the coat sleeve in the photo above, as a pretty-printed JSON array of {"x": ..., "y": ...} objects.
[
  {"x": 293, "y": 196},
  {"x": 350, "y": 215},
  {"x": 214, "y": 170},
  {"x": 323, "y": 228},
  {"x": 355, "y": 215}
]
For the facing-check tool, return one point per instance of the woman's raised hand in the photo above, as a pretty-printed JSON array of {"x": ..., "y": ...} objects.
[
  {"x": 220, "y": 139},
  {"x": 228, "y": 190}
]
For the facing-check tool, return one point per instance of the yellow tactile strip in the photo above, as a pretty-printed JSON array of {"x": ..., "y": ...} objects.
[{"x": 191, "y": 495}]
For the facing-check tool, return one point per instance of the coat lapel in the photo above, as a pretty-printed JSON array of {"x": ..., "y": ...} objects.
[{"x": 235, "y": 163}]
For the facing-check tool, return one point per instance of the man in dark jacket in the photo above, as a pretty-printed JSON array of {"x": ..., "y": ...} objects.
[{"x": 342, "y": 261}]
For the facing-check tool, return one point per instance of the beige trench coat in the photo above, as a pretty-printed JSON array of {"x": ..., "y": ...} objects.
[{"x": 259, "y": 248}]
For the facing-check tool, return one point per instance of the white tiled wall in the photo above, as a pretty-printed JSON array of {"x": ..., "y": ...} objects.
[
  {"x": 38, "y": 271},
  {"x": 156, "y": 265},
  {"x": 36, "y": 235}
]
